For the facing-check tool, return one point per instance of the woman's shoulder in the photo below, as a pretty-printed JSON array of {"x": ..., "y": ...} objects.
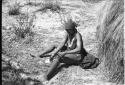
[
  {"x": 65, "y": 34},
  {"x": 78, "y": 34}
]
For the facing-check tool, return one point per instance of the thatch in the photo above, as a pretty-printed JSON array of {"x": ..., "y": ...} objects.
[{"x": 110, "y": 33}]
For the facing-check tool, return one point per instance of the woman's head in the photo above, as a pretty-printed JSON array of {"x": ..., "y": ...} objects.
[{"x": 70, "y": 26}]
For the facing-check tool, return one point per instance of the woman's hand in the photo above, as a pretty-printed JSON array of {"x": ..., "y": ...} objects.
[
  {"x": 62, "y": 54},
  {"x": 52, "y": 56}
]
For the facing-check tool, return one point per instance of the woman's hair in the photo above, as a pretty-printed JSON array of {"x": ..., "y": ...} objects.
[{"x": 70, "y": 24}]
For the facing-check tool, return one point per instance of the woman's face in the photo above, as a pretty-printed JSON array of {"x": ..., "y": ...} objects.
[{"x": 70, "y": 31}]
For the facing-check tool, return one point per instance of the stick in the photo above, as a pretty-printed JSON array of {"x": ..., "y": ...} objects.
[{"x": 40, "y": 56}]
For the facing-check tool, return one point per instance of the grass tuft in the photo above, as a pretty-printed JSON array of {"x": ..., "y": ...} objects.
[
  {"x": 14, "y": 9},
  {"x": 24, "y": 26},
  {"x": 52, "y": 6}
]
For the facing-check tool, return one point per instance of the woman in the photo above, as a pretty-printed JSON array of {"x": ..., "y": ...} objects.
[{"x": 71, "y": 49}]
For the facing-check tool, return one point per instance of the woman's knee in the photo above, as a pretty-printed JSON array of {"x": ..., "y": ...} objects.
[
  {"x": 57, "y": 60},
  {"x": 68, "y": 56},
  {"x": 54, "y": 46},
  {"x": 66, "y": 60},
  {"x": 72, "y": 57}
]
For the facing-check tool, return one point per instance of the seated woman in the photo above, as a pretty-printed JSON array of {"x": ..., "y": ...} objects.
[{"x": 71, "y": 49}]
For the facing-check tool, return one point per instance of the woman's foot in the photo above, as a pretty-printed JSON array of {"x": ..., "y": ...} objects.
[
  {"x": 44, "y": 80},
  {"x": 47, "y": 61}
]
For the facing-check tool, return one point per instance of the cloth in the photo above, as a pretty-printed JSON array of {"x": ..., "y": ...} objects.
[
  {"x": 89, "y": 62},
  {"x": 71, "y": 59},
  {"x": 83, "y": 59}
]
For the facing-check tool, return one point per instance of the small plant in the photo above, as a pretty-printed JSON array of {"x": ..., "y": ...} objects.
[
  {"x": 14, "y": 9},
  {"x": 23, "y": 27},
  {"x": 4, "y": 1},
  {"x": 52, "y": 6},
  {"x": 33, "y": 4},
  {"x": 92, "y": 1}
]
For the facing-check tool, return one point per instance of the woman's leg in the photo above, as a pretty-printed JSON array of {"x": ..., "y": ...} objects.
[
  {"x": 52, "y": 68},
  {"x": 48, "y": 50},
  {"x": 71, "y": 59},
  {"x": 67, "y": 59}
]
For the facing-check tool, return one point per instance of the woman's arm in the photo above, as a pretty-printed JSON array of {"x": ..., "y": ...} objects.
[
  {"x": 61, "y": 45},
  {"x": 50, "y": 49}
]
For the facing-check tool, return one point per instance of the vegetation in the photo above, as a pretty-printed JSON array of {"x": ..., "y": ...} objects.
[
  {"x": 110, "y": 34},
  {"x": 14, "y": 9},
  {"x": 52, "y": 6},
  {"x": 20, "y": 34},
  {"x": 24, "y": 26},
  {"x": 12, "y": 75},
  {"x": 92, "y": 1},
  {"x": 4, "y": 1}
]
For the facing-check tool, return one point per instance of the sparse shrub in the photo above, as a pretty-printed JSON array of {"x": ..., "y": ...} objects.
[
  {"x": 23, "y": 27},
  {"x": 20, "y": 35},
  {"x": 33, "y": 4},
  {"x": 4, "y": 1},
  {"x": 52, "y": 6},
  {"x": 110, "y": 34},
  {"x": 14, "y": 9},
  {"x": 92, "y": 1}
]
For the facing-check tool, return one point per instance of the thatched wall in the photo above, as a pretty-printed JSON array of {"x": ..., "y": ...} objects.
[{"x": 110, "y": 34}]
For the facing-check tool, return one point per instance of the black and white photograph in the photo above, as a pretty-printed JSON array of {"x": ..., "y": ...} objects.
[{"x": 62, "y": 42}]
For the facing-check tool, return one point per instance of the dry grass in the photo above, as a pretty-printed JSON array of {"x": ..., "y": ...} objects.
[
  {"x": 24, "y": 26},
  {"x": 11, "y": 75},
  {"x": 20, "y": 34},
  {"x": 4, "y": 1},
  {"x": 92, "y": 1},
  {"x": 14, "y": 9},
  {"x": 33, "y": 4},
  {"x": 111, "y": 43},
  {"x": 51, "y": 5}
]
